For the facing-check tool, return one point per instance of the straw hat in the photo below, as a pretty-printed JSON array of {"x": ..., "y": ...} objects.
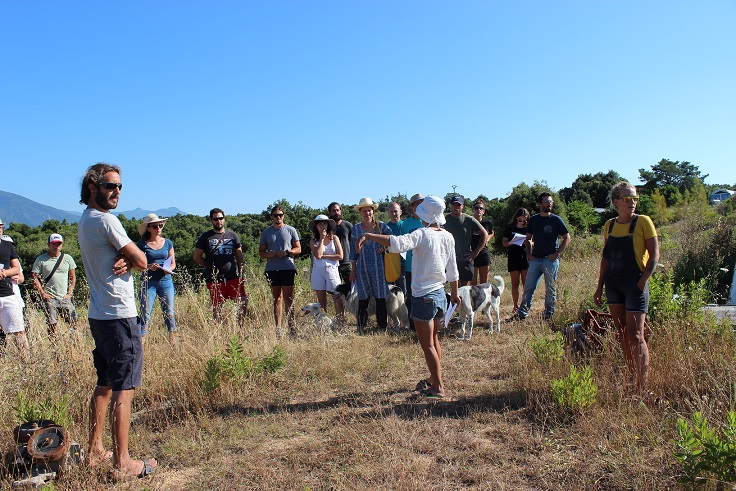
[
  {"x": 415, "y": 198},
  {"x": 150, "y": 218},
  {"x": 366, "y": 202},
  {"x": 431, "y": 210},
  {"x": 331, "y": 225}
]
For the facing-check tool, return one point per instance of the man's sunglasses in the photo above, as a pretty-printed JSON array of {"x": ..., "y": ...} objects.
[
  {"x": 111, "y": 185},
  {"x": 217, "y": 219},
  {"x": 277, "y": 215},
  {"x": 478, "y": 208}
]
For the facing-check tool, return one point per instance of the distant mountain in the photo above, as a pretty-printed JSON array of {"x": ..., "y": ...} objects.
[
  {"x": 16, "y": 208},
  {"x": 140, "y": 213}
]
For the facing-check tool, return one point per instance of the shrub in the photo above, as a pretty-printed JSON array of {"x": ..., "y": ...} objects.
[
  {"x": 548, "y": 349},
  {"x": 56, "y": 411},
  {"x": 577, "y": 390},
  {"x": 703, "y": 450}
]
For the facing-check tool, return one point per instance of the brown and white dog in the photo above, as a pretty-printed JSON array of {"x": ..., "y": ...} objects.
[{"x": 479, "y": 298}]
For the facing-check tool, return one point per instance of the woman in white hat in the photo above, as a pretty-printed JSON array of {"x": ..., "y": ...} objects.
[
  {"x": 327, "y": 253},
  {"x": 433, "y": 265},
  {"x": 156, "y": 280},
  {"x": 368, "y": 274}
]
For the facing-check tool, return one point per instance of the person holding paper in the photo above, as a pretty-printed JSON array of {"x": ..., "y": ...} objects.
[
  {"x": 156, "y": 280},
  {"x": 514, "y": 238},
  {"x": 433, "y": 264}
]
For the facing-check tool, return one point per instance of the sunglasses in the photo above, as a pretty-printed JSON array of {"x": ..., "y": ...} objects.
[
  {"x": 156, "y": 225},
  {"x": 111, "y": 185},
  {"x": 478, "y": 208},
  {"x": 629, "y": 199},
  {"x": 277, "y": 215},
  {"x": 521, "y": 220},
  {"x": 217, "y": 219}
]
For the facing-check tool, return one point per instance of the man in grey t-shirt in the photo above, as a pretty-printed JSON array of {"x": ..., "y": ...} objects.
[
  {"x": 462, "y": 226},
  {"x": 54, "y": 279},
  {"x": 109, "y": 256}
]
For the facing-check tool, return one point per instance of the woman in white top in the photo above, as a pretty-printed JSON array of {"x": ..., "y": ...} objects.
[
  {"x": 327, "y": 253},
  {"x": 433, "y": 264}
]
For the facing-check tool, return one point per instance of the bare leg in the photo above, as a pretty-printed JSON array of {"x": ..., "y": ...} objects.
[
  {"x": 322, "y": 298},
  {"x": 120, "y": 427},
  {"x": 515, "y": 287},
  {"x": 482, "y": 275},
  {"x": 618, "y": 312},
  {"x": 97, "y": 412},
  {"x": 288, "y": 300},
  {"x": 638, "y": 347},
  {"x": 277, "y": 306},
  {"x": 428, "y": 334},
  {"x": 242, "y": 308},
  {"x": 339, "y": 307}
]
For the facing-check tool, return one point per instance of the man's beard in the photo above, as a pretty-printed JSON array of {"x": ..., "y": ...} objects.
[
  {"x": 105, "y": 202},
  {"x": 336, "y": 218}
]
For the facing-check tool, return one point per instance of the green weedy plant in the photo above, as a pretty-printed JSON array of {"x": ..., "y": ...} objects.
[
  {"x": 233, "y": 365},
  {"x": 704, "y": 451},
  {"x": 56, "y": 411},
  {"x": 548, "y": 349},
  {"x": 577, "y": 390}
]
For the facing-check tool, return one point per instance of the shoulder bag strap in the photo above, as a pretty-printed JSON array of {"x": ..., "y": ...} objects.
[{"x": 56, "y": 266}]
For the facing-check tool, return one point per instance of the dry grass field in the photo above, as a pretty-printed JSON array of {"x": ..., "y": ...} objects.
[{"x": 337, "y": 415}]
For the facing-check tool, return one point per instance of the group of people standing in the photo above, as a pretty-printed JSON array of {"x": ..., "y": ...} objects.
[{"x": 439, "y": 248}]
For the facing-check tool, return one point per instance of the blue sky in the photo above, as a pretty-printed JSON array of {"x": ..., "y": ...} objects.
[{"x": 239, "y": 104}]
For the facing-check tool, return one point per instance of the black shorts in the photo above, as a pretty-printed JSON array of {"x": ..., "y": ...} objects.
[
  {"x": 118, "y": 353},
  {"x": 281, "y": 277},
  {"x": 465, "y": 268},
  {"x": 624, "y": 291},
  {"x": 483, "y": 258},
  {"x": 518, "y": 263}
]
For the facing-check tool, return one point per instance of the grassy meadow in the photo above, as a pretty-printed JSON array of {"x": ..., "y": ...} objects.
[{"x": 233, "y": 407}]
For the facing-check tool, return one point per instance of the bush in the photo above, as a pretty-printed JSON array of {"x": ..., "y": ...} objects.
[
  {"x": 548, "y": 349},
  {"x": 577, "y": 390},
  {"x": 703, "y": 450}
]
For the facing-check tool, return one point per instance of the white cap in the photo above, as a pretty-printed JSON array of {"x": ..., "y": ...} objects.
[{"x": 55, "y": 238}]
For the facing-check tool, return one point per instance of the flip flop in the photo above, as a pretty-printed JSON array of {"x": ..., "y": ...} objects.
[
  {"x": 426, "y": 393},
  {"x": 147, "y": 470}
]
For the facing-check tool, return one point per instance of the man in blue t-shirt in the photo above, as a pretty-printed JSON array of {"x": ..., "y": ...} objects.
[
  {"x": 397, "y": 225},
  {"x": 544, "y": 229}
]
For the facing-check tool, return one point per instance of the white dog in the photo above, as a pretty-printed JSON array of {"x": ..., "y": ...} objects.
[
  {"x": 479, "y": 298},
  {"x": 319, "y": 317},
  {"x": 395, "y": 305}
]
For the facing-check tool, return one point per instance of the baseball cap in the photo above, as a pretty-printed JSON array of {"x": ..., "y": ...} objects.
[
  {"x": 458, "y": 199},
  {"x": 55, "y": 238}
]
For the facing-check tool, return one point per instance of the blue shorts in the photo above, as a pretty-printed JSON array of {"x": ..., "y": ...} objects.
[
  {"x": 431, "y": 306},
  {"x": 624, "y": 291},
  {"x": 118, "y": 353}
]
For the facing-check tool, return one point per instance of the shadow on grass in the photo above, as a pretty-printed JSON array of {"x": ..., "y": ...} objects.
[{"x": 385, "y": 404}]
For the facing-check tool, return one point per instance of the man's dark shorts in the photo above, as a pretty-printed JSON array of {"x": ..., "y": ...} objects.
[
  {"x": 624, "y": 291},
  {"x": 118, "y": 353},
  {"x": 465, "y": 268},
  {"x": 281, "y": 277}
]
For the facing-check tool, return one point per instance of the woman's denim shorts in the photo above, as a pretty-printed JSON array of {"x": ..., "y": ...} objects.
[{"x": 431, "y": 306}]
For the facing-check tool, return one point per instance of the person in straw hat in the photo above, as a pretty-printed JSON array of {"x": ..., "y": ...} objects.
[
  {"x": 156, "y": 280},
  {"x": 367, "y": 273},
  {"x": 327, "y": 253},
  {"x": 433, "y": 265}
]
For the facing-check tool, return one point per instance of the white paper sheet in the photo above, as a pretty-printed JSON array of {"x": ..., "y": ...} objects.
[
  {"x": 518, "y": 239},
  {"x": 167, "y": 266},
  {"x": 448, "y": 314}
]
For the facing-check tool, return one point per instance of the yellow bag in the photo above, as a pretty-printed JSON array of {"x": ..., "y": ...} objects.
[{"x": 391, "y": 263}]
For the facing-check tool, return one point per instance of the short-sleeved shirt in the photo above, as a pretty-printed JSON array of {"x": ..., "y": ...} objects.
[
  {"x": 516, "y": 252},
  {"x": 101, "y": 237},
  {"x": 434, "y": 258},
  {"x": 643, "y": 231},
  {"x": 398, "y": 229},
  {"x": 545, "y": 233},
  {"x": 7, "y": 254},
  {"x": 344, "y": 232},
  {"x": 219, "y": 255},
  {"x": 462, "y": 229},
  {"x": 158, "y": 256},
  {"x": 486, "y": 224},
  {"x": 278, "y": 240},
  {"x": 408, "y": 226},
  {"x": 58, "y": 284}
]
